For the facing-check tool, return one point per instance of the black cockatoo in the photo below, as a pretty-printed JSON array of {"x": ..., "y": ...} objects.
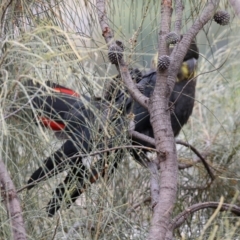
[
  {"x": 76, "y": 116},
  {"x": 84, "y": 123},
  {"x": 181, "y": 99}
]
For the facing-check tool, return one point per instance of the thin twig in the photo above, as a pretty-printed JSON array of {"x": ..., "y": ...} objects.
[
  {"x": 180, "y": 218},
  {"x": 55, "y": 229},
  {"x": 145, "y": 200},
  {"x": 199, "y": 155},
  {"x": 113, "y": 149}
]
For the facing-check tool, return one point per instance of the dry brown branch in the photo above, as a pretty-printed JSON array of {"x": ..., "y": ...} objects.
[{"x": 12, "y": 204}]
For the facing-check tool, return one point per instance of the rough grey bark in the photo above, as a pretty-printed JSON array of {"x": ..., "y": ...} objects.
[
  {"x": 8, "y": 192},
  {"x": 160, "y": 117},
  {"x": 154, "y": 182},
  {"x": 164, "y": 138},
  {"x": 179, "y": 13}
]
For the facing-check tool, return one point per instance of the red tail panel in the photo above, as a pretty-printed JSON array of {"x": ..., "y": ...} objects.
[
  {"x": 52, "y": 124},
  {"x": 66, "y": 91}
]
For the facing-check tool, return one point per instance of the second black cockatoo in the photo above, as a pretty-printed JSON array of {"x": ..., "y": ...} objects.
[{"x": 181, "y": 99}]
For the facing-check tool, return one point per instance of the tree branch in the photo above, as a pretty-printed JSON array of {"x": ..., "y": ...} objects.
[
  {"x": 199, "y": 155},
  {"x": 150, "y": 140},
  {"x": 154, "y": 183},
  {"x": 180, "y": 218},
  {"x": 158, "y": 104},
  {"x": 164, "y": 138},
  {"x": 136, "y": 205},
  {"x": 12, "y": 204},
  {"x": 179, "y": 12},
  {"x": 143, "y": 137}
]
